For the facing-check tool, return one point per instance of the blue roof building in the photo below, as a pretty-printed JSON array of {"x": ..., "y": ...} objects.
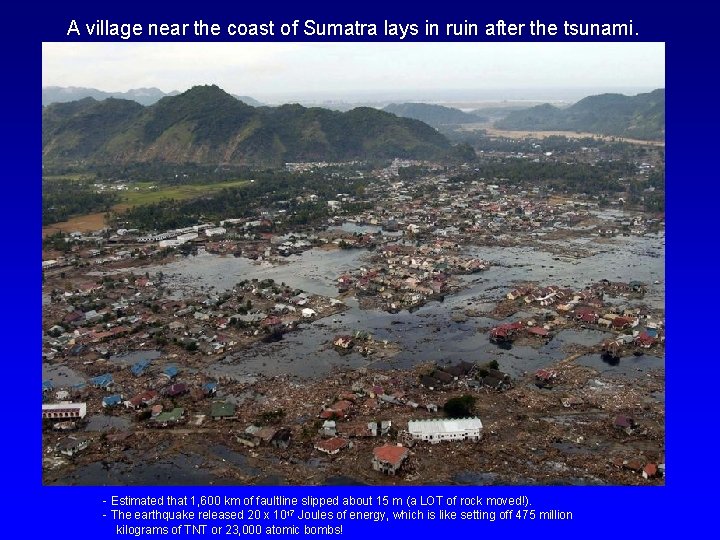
[
  {"x": 171, "y": 372},
  {"x": 102, "y": 381},
  {"x": 138, "y": 368},
  {"x": 112, "y": 401}
]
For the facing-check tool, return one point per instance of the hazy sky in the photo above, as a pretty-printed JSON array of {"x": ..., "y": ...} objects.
[{"x": 264, "y": 70}]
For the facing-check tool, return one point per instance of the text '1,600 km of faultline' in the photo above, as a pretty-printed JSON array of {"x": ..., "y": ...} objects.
[{"x": 316, "y": 502}]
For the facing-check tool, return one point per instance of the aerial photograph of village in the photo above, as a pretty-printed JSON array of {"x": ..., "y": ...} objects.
[{"x": 353, "y": 264}]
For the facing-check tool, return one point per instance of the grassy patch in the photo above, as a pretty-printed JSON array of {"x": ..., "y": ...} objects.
[
  {"x": 149, "y": 193},
  {"x": 74, "y": 177}
]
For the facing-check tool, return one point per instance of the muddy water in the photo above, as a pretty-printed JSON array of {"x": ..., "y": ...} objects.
[
  {"x": 61, "y": 376},
  {"x": 314, "y": 271},
  {"x": 629, "y": 366},
  {"x": 131, "y": 357},
  {"x": 102, "y": 422},
  {"x": 170, "y": 470},
  {"x": 428, "y": 334}
]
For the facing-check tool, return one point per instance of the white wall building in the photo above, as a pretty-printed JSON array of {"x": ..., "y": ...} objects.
[
  {"x": 179, "y": 240},
  {"x": 65, "y": 410},
  {"x": 446, "y": 429}
]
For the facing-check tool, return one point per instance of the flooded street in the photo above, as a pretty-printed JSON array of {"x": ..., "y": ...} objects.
[{"x": 430, "y": 333}]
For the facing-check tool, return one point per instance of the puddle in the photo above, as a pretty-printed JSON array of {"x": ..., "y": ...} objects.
[
  {"x": 102, "y": 422},
  {"x": 61, "y": 376},
  {"x": 627, "y": 366},
  {"x": 129, "y": 358}
]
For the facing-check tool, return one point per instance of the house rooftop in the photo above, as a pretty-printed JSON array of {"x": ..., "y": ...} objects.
[
  {"x": 392, "y": 454},
  {"x": 331, "y": 445},
  {"x": 222, "y": 408},
  {"x": 170, "y": 416}
]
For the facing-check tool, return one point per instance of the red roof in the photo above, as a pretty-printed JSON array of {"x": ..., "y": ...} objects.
[
  {"x": 331, "y": 445},
  {"x": 499, "y": 332},
  {"x": 342, "y": 405},
  {"x": 145, "y": 397},
  {"x": 545, "y": 374},
  {"x": 623, "y": 421},
  {"x": 394, "y": 455},
  {"x": 644, "y": 339},
  {"x": 621, "y": 322},
  {"x": 538, "y": 331}
]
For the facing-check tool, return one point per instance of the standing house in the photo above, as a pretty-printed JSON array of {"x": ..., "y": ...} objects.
[
  {"x": 139, "y": 367},
  {"x": 71, "y": 446},
  {"x": 209, "y": 389},
  {"x": 307, "y": 313},
  {"x": 222, "y": 409},
  {"x": 144, "y": 399},
  {"x": 389, "y": 458},
  {"x": 281, "y": 439},
  {"x": 164, "y": 419},
  {"x": 175, "y": 390},
  {"x": 170, "y": 372},
  {"x": 331, "y": 446},
  {"x": 328, "y": 429},
  {"x": 104, "y": 381},
  {"x": 64, "y": 411},
  {"x": 448, "y": 429},
  {"x": 112, "y": 401}
]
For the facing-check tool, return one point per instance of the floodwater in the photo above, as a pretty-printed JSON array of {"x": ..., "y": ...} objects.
[
  {"x": 61, "y": 376},
  {"x": 102, "y": 422},
  {"x": 314, "y": 271},
  {"x": 167, "y": 470},
  {"x": 171, "y": 469},
  {"x": 429, "y": 333},
  {"x": 629, "y": 366},
  {"x": 131, "y": 357}
]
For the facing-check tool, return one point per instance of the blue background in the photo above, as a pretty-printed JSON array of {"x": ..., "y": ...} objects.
[{"x": 685, "y": 503}]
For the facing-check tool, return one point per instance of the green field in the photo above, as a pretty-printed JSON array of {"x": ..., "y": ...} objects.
[
  {"x": 75, "y": 177},
  {"x": 141, "y": 193}
]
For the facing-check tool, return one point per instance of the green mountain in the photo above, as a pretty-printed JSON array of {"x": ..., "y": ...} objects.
[
  {"x": 437, "y": 116},
  {"x": 641, "y": 116},
  {"x": 79, "y": 129},
  {"x": 144, "y": 96},
  {"x": 207, "y": 125}
]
